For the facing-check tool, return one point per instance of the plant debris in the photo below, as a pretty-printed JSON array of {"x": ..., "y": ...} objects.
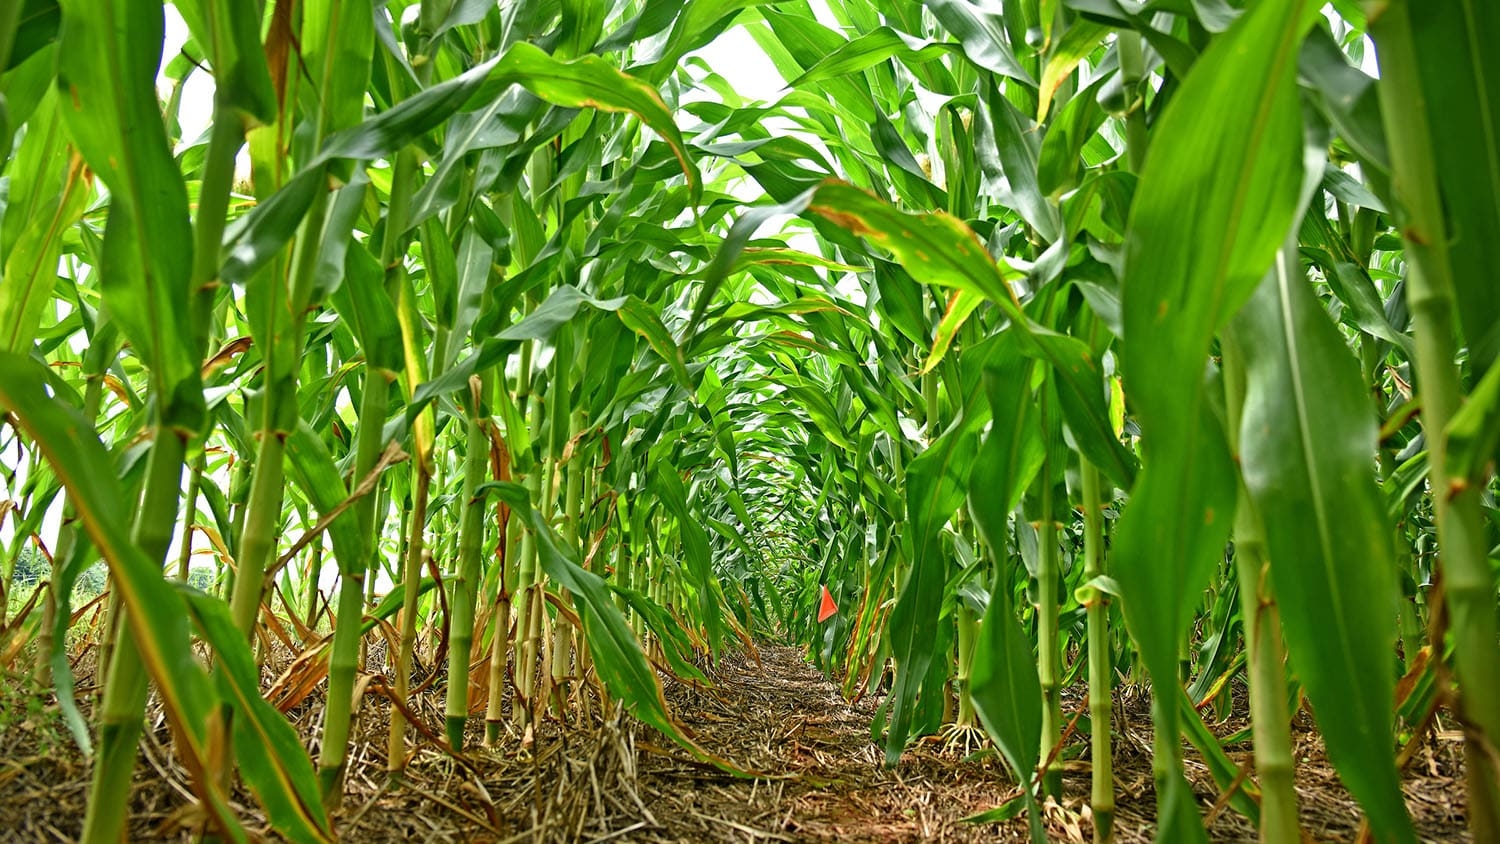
[{"x": 610, "y": 779}]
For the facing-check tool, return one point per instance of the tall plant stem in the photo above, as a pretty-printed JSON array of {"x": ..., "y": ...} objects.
[
  {"x": 348, "y": 640},
  {"x": 466, "y": 582},
  {"x": 1101, "y": 676},
  {"x": 1265, "y": 654},
  {"x": 500, "y": 641},
  {"x": 277, "y": 418},
  {"x": 122, "y": 711},
  {"x": 562, "y": 640},
  {"x": 1468, "y": 580},
  {"x": 1049, "y": 645},
  {"x": 346, "y": 631},
  {"x": 423, "y": 430},
  {"x": 412, "y": 577},
  {"x": 1132, "y": 72},
  {"x": 968, "y": 634},
  {"x": 185, "y": 553},
  {"x": 226, "y": 138},
  {"x": 313, "y": 593},
  {"x": 523, "y": 657},
  {"x": 93, "y": 394}
]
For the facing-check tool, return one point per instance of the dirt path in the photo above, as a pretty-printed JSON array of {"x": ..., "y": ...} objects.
[
  {"x": 783, "y": 719},
  {"x": 823, "y": 778}
]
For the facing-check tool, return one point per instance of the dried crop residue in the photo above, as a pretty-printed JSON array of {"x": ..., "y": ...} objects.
[{"x": 599, "y": 779}]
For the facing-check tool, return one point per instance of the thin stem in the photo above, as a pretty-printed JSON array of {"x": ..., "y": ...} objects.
[
  {"x": 1132, "y": 73},
  {"x": 466, "y": 580},
  {"x": 278, "y": 402},
  {"x": 1264, "y": 652},
  {"x": 500, "y": 641},
  {"x": 412, "y": 578},
  {"x": 1101, "y": 672},
  {"x": 1049, "y": 645},
  {"x": 122, "y": 711},
  {"x": 185, "y": 553}
]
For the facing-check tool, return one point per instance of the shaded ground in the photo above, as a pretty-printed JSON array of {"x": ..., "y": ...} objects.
[{"x": 822, "y": 781}]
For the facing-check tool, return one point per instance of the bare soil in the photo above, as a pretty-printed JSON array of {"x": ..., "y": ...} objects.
[{"x": 820, "y": 776}]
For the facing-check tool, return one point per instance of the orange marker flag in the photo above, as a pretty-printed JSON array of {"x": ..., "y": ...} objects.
[{"x": 826, "y": 607}]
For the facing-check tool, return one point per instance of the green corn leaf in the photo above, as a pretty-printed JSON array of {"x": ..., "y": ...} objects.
[
  {"x": 36, "y": 25},
  {"x": 590, "y": 82},
  {"x": 642, "y": 319},
  {"x": 585, "y": 83},
  {"x": 555, "y": 311},
  {"x": 106, "y": 77},
  {"x": 804, "y": 42},
  {"x": 960, "y": 306},
  {"x": 391, "y": 603},
  {"x": 983, "y": 36},
  {"x": 230, "y": 31},
  {"x": 940, "y": 249},
  {"x": 1012, "y": 166},
  {"x": 48, "y": 193},
  {"x": 156, "y": 615},
  {"x": 1216, "y": 198},
  {"x": 1226, "y": 772},
  {"x": 935, "y": 248},
  {"x": 1006, "y": 690},
  {"x": 1347, "y": 96},
  {"x": 1012, "y": 451},
  {"x": 871, "y": 49},
  {"x": 362, "y": 301},
  {"x": 271, "y": 758},
  {"x": 1460, "y": 76},
  {"x": 1474, "y": 431},
  {"x": 674, "y": 641},
  {"x": 315, "y": 472},
  {"x": 1058, "y": 160},
  {"x": 1081, "y": 39},
  {"x": 1354, "y": 288},
  {"x": 338, "y": 38},
  {"x": 1081, "y": 396},
  {"x": 823, "y": 414},
  {"x": 1307, "y": 435},
  {"x": 471, "y": 132}
]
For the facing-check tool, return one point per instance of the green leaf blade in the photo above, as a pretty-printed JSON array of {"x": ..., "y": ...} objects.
[{"x": 1307, "y": 437}]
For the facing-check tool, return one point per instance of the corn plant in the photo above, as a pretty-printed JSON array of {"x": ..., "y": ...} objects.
[{"x": 1093, "y": 341}]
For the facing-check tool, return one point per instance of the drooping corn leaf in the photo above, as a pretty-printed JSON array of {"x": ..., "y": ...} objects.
[
  {"x": 1006, "y": 691},
  {"x": 584, "y": 83},
  {"x": 156, "y": 616},
  {"x": 673, "y": 497},
  {"x": 1306, "y": 438},
  {"x": 270, "y": 756}
]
